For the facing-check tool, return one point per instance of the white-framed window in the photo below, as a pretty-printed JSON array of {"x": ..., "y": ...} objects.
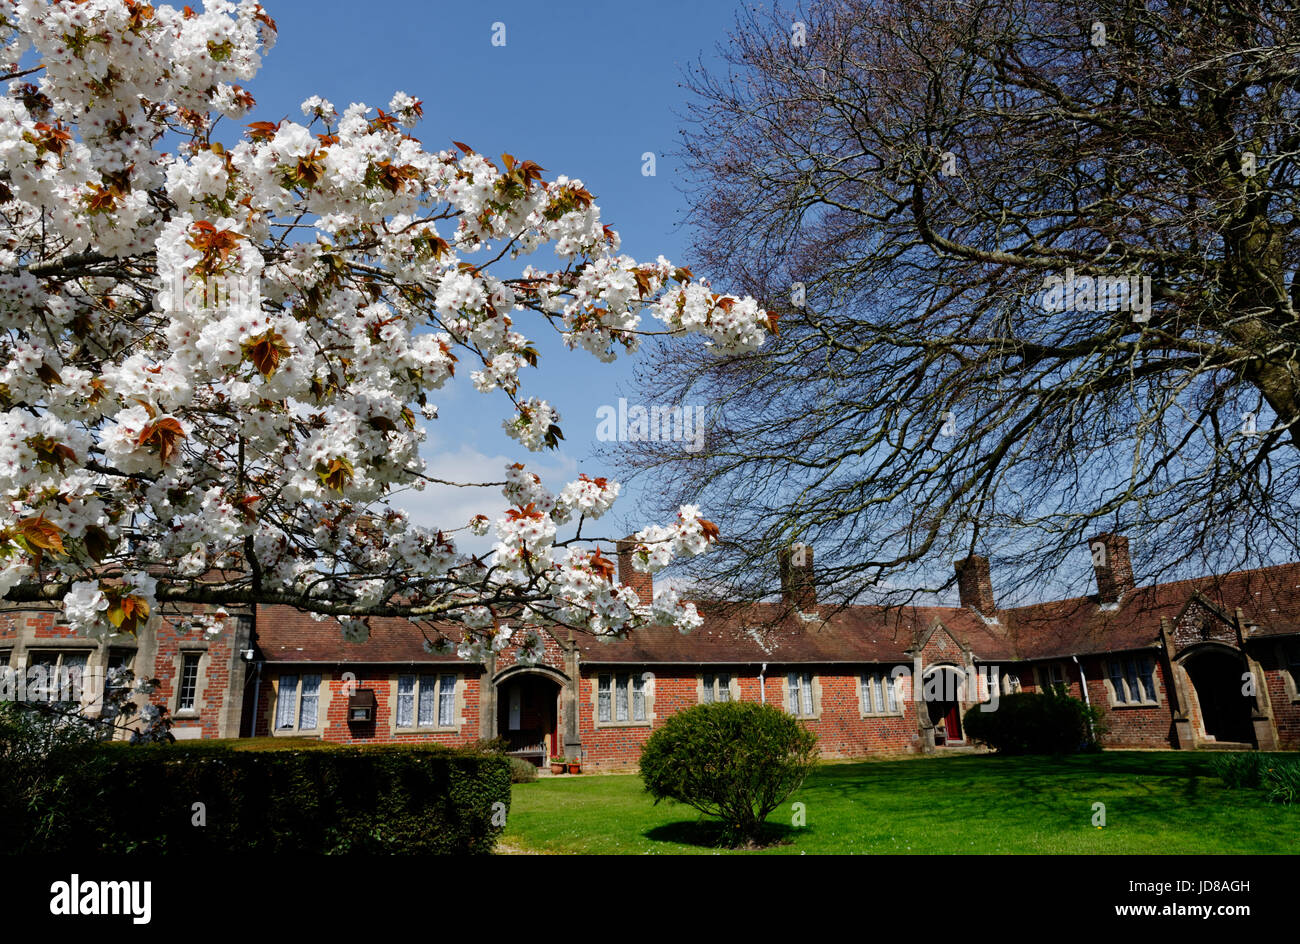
[
  {"x": 878, "y": 693},
  {"x": 188, "y": 687},
  {"x": 298, "y": 706},
  {"x": 620, "y": 698},
  {"x": 799, "y": 694},
  {"x": 1132, "y": 679},
  {"x": 56, "y": 674},
  {"x": 715, "y": 686},
  {"x": 1051, "y": 677},
  {"x": 426, "y": 701},
  {"x": 119, "y": 662}
]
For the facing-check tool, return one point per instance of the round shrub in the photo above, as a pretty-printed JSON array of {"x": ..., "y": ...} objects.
[
  {"x": 1033, "y": 723},
  {"x": 521, "y": 771},
  {"x": 737, "y": 761}
]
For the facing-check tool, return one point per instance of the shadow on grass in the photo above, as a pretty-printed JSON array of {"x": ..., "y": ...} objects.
[{"x": 710, "y": 834}]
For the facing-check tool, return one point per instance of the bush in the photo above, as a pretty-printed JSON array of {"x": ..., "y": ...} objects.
[
  {"x": 383, "y": 799},
  {"x": 1238, "y": 770},
  {"x": 1033, "y": 723},
  {"x": 737, "y": 761},
  {"x": 521, "y": 771},
  {"x": 1277, "y": 774},
  {"x": 46, "y": 759}
]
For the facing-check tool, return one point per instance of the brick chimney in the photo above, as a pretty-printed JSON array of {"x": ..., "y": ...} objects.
[
  {"x": 641, "y": 582},
  {"x": 974, "y": 585},
  {"x": 798, "y": 589},
  {"x": 1111, "y": 562}
]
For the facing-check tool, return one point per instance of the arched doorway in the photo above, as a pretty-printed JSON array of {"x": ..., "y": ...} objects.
[
  {"x": 944, "y": 686},
  {"x": 1226, "y": 711},
  {"x": 528, "y": 715}
]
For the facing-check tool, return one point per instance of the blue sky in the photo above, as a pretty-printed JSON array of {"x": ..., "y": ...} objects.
[{"x": 583, "y": 89}]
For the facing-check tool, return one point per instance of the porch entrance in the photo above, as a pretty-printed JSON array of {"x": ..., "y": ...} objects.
[
  {"x": 1218, "y": 678},
  {"x": 942, "y": 693},
  {"x": 528, "y": 717}
]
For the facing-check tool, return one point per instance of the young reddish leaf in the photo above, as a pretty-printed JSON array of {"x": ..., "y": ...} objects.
[
  {"x": 263, "y": 130},
  {"x": 602, "y": 565},
  {"x": 266, "y": 351},
  {"x": 38, "y": 536},
  {"x": 97, "y": 543},
  {"x": 164, "y": 436},
  {"x": 336, "y": 476},
  {"x": 246, "y": 506}
]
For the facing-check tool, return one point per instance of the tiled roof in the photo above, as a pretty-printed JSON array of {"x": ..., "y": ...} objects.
[
  {"x": 1268, "y": 597},
  {"x": 288, "y": 635},
  {"x": 756, "y": 634}
]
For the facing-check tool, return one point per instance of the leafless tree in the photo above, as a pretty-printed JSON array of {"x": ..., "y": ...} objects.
[{"x": 899, "y": 180}]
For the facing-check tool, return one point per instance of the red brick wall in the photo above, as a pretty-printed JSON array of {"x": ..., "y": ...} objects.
[
  {"x": 1286, "y": 713},
  {"x": 214, "y": 675},
  {"x": 1136, "y": 726},
  {"x": 840, "y": 728},
  {"x": 383, "y": 681}
]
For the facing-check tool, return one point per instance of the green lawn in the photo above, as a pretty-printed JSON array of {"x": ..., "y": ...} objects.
[{"x": 1156, "y": 802}]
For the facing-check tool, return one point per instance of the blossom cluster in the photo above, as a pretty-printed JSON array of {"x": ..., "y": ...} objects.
[{"x": 163, "y": 444}]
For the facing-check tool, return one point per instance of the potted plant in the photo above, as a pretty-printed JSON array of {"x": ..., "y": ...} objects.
[
  {"x": 575, "y": 766},
  {"x": 557, "y": 765}
]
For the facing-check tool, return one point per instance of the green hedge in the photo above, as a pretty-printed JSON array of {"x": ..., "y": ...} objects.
[
  {"x": 1033, "y": 723},
  {"x": 268, "y": 798}
]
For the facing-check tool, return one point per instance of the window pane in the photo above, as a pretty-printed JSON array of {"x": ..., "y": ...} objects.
[
  {"x": 891, "y": 697},
  {"x": 288, "y": 698},
  {"x": 707, "y": 696},
  {"x": 1134, "y": 690},
  {"x": 190, "y": 680},
  {"x": 406, "y": 701},
  {"x": 310, "y": 701},
  {"x": 620, "y": 698},
  {"x": 1147, "y": 668},
  {"x": 42, "y": 671},
  {"x": 792, "y": 687},
  {"x": 877, "y": 696},
  {"x": 70, "y": 676},
  {"x": 865, "y": 682},
  {"x": 724, "y": 688},
  {"x": 603, "y": 699},
  {"x": 638, "y": 698},
  {"x": 428, "y": 699},
  {"x": 447, "y": 701},
  {"x": 807, "y": 694},
  {"x": 1117, "y": 681}
]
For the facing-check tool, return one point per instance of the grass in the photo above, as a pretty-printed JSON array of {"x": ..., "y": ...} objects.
[{"x": 1156, "y": 803}]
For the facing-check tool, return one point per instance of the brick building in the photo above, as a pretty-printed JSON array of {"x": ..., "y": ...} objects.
[{"x": 1211, "y": 663}]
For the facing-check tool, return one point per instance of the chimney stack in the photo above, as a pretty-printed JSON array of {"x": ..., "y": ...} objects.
[
  {"x": 974, "y": 585},
  {"x": 1111, "y": 562},
  {"x": 798, "y": 588},
  {"x": 640, "y": 581}
]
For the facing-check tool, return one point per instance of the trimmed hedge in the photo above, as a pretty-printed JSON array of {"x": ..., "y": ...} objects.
[
  {"x": 1033, "y": 723},
  {"x": 272, "y": 798}
]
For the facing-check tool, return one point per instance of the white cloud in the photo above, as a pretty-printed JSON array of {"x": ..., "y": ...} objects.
[{"x": 449, "y": 507}]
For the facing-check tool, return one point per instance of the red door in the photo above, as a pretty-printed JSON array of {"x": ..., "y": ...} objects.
[{"x": 952, "y": 721}]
